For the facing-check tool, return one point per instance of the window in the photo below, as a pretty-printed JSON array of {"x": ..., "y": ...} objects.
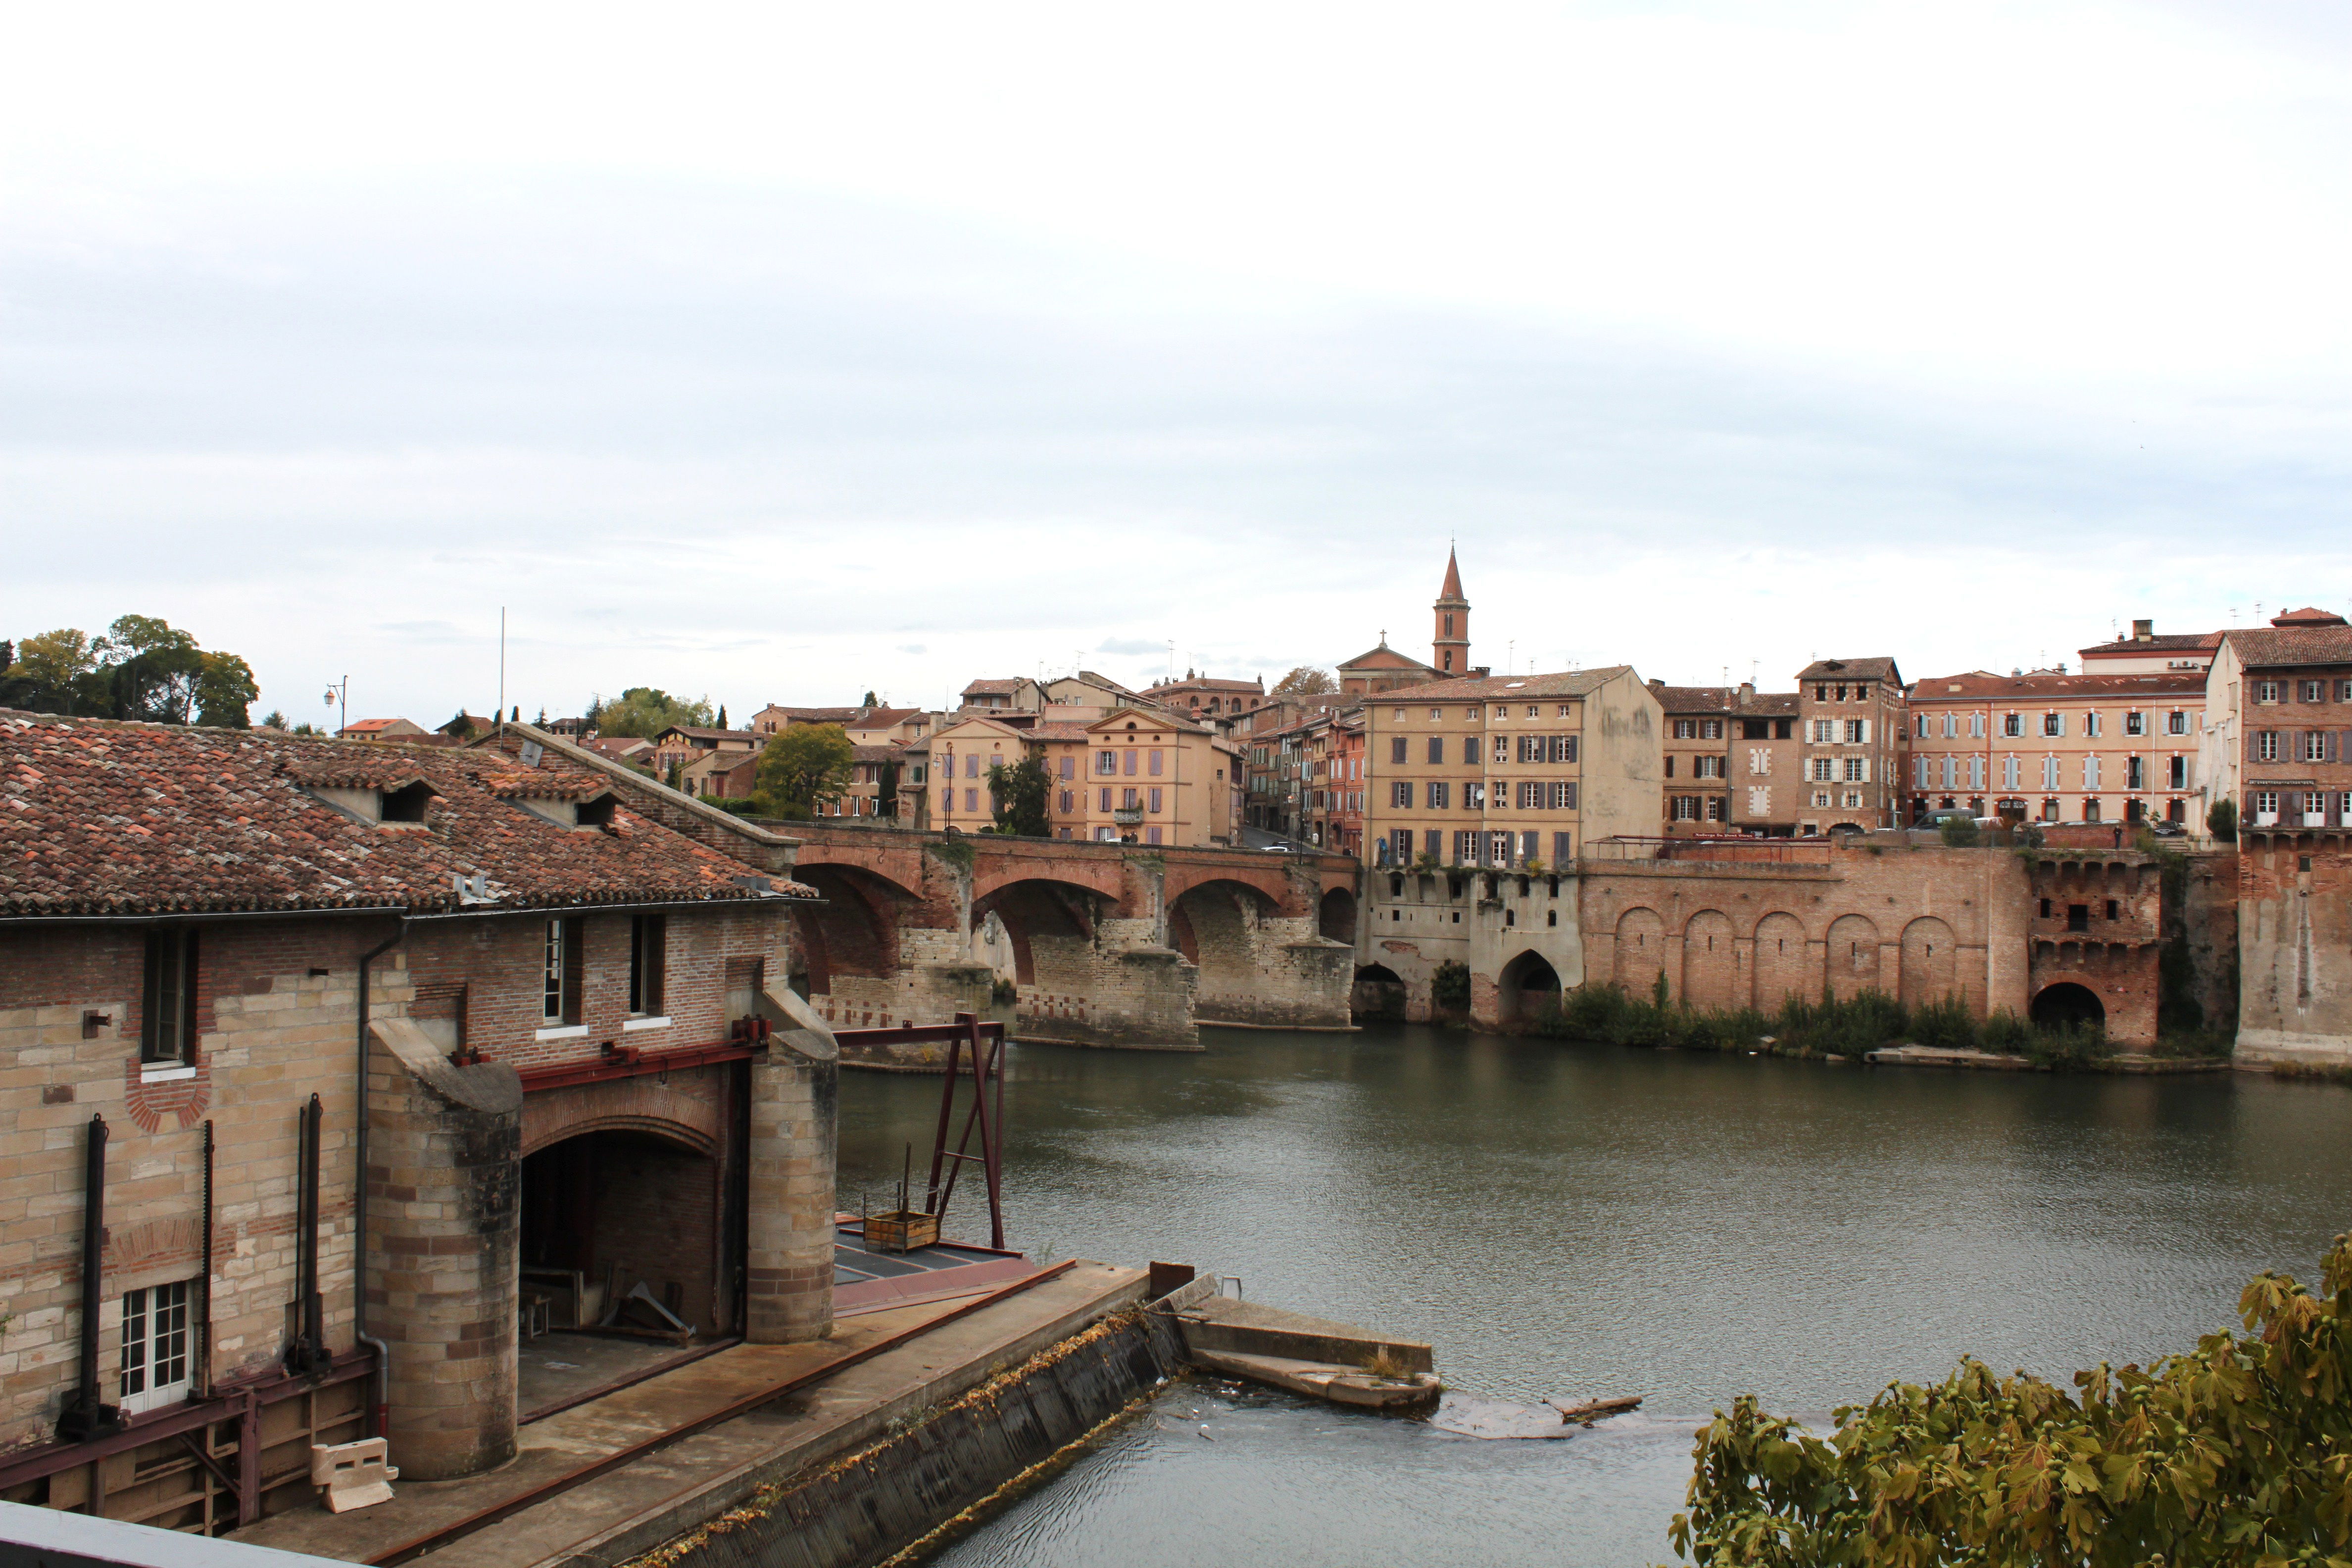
[
  {"x": 1432, "y": 842},
  {"x": 560, "y": 996},
  {"x": 1685, "y": 729},
  {"x": 2049, "y": 809},
  {"x": 1437, "y": 748},
  {"x": 1976, "y": 725},
  {"x": 154, "y": 1346},
  {"x": 1685, "y": 808},
  {"x": 972, "y": 764},
  {"x": 1563, "y": 794},
  {"x": 2135, "y": 724},
  {"x": 2050, "y": 772},
  {"x": 2053, "y": 723},
  {"x": 2313, "y": 690},
  {"x": 2343, "y": 691},
  {"x": 1710, "y": 729},
  {"x": 1437, "y": 713},
  {"x": 1068, "y": 767},
  {"x": 1857, "y": 731},
  {"x": 1919, "y": 727},
  {"x": 1670, "y": 764},
  {"x": 1821, "y": 694},
  {"x": 1154, "y": 765},
  {"x": 1919, "y": 766},
  {"x": 1402, "y": 839},
  {"x": 1474, "y": 797},
  {"x": 2091, "y": 725},
  {"x": 1824, "y": 731},
  {"x": 2266, "y": 690},
  {"x": 1396, "y": 748},
  {"x": 1707, "y": 767},
  {"x": 1718, "y": 809},
  {"x": 2090, "y": 772},
  {"x": 1400, "y": 795},
  {"x": 2177, "y": 773},
  {"x": 167, "y": 1019},
  {"x": 1152, "y": 835},
  {"x": 2315, "y": 747},
  {"x": 1755, "y": 729},
  {"x": 1824, "y": 769},
  {"x": 1130, "y": 755},
  {"x": 2009, "y": 772},
  {"x": 648, "y": 955},
  {"x": 1106, "y": 762},
  {"x": 1470, "y": 750},
  {"x": 1155, "y": 798},
  {"x": 1438, "y": 795},
  {"x": 2266, "y": 746},
  {"x": 2013, "y": 725},
  {"x": 1531, "y": 795},
  {"x": 2175, "y": 722},
  {"x": 1105, "y": 798},
  {"x": 1502, "y": 748},
  {"x": 1065, "y": 803},
  {"x": 2265, "y": 805},
  {"x": 1857, "y": 769}
]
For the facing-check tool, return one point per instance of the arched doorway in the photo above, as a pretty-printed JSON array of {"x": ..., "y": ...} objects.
[
  {"x": 2067, "y": 1003},
  {"x": 620, "y": 1205},
  {"x": 1216, "y": 925},
  {"x": 1378, "y": 993},
  {"x": 1527, "y": 987}
]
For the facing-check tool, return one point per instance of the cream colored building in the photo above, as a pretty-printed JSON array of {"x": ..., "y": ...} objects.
[
  {"x": 1155, "y": 779},
  {"x": 1501, "y": 769},
  {"x": 2056, "y": 748}
]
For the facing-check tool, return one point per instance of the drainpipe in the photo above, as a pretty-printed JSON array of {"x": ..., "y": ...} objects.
[
  {"x": 382, "y": 1402},
  {"x": 85, "y": 1415}
]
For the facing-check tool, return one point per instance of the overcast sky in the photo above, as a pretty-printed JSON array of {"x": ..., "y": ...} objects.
[{"x": 777, "y": 354}]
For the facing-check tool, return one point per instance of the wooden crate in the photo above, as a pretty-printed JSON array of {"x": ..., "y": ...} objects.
[{"x": 901, "y": 1230}]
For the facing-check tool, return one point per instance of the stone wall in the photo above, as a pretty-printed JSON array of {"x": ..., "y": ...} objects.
[
  {"x": 444, "y": 1225},
  {"x": 2295, "y": 929},
  {"x": 1118, "y": 987},
  {"x": 795, "y": 1093}
]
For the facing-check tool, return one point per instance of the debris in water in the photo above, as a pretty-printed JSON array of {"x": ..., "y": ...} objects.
[
  {"x": 560, "y": 1365},
  {"x": 1591, "y": 1410},
  {"x": 1204, "y": 1435},
  {"x": 1471, "y": 1417}
]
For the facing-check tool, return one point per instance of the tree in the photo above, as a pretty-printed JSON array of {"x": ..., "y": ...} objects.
[
  {"x": 224, "y": 689},
  {"x": 153, "y": 667},
  {"x": 273, "y": 719},
  {"x": 1304, "y": 681},
  {"x": 2222, "y": 820},
  {"x": 803, "y": 765},
  {"x": 885, "y": 802},
  {"x": 722, "y": 716},
  {"x": 644, "y": 712},
  {"x": 871, "y": 702},
  {"x": 1019, "y": 794},
  {"x": 2232, "y": 1453}
]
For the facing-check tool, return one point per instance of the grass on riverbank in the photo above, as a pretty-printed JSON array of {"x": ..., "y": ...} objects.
[{"x": 1829, "y": 1028}]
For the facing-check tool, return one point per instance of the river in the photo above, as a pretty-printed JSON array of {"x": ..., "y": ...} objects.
[{"x": 1578, "y": 1220}]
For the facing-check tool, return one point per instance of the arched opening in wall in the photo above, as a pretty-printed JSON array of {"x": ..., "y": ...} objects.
[
  {"x": 1337, "y": 916},
  {"x": 1527, "y": 987},
  {"x": 1219, "y": 920},
  {"x": 1378, "y": 993},
  {"x": 618, "y": 1206},
  {"x": 855, "y": 933},
  {"x": 2066, "y": 1003},
  {"x": 1930, "y": 966},
  {"x": 1641, "y": 952},
  {"x": 1780, "y": 961},
  {"x": 1712, "y": 971},
  {"x": 1852, "y": 957}
]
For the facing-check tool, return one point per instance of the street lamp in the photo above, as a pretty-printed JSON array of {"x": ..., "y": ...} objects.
[{"x": 342, "y": 702}]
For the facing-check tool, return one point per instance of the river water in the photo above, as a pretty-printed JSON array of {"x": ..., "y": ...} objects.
[{"x": 1580, "y": 1220}]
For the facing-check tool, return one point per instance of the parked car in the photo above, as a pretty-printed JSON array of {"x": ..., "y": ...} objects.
[
  {"x": 2170, "y": 830},
  {"x": 1281, "y": 849}
]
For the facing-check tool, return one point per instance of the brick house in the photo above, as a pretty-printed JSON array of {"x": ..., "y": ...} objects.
[
  {"x": 1332, "y": 785},
  {"x": 2278, "y": 746},
  {"x": 582, "y": 1070},
  {"x": 1695, "y": 763},
  {"x": 1850, "y": 729},
  {"x": 1767, "y": 763}
]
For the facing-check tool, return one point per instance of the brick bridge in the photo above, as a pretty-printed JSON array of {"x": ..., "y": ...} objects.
[{"x": 1113, "y": 944}]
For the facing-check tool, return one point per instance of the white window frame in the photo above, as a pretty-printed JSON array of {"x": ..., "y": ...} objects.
[{"x": 156, "y": 1337}]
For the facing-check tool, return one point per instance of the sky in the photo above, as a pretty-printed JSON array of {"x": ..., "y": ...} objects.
[{"x": 783, "y": 354}]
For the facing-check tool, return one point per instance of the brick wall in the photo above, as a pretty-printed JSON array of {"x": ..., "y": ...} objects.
[{"x": 2295, "y": 932}]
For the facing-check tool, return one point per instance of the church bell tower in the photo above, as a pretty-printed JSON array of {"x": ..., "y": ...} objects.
[{"x": 1450, "y": 651}]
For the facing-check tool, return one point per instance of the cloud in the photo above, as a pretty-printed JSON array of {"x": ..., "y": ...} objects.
[
  {"x": 913, "y": 650},
  {"x": 1131, "y": 646}
]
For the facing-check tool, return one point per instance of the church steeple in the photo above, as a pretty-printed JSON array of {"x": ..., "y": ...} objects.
[{"x": 1450, "y": 650}]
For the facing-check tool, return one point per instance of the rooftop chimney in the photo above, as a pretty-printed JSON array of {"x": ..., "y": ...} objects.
[{"x": 2143, "y": 631}]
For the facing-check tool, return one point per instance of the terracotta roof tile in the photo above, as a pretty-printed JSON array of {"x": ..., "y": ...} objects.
[
  {"x": 2274, "y": 647},
  {"x": 1564, "y": 683},
  {"x": 1979, "y": 684},
  {"x": 108, "y": 818},
  {"x": 1880, "y": 668}
]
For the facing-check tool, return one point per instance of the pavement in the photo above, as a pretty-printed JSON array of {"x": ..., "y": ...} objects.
[{"x": 640, "y": 1504}]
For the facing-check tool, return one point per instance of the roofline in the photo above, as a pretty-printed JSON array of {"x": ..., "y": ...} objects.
[
  {"x": 622, "y": 773},
  {"x": 408, "y": 913}
]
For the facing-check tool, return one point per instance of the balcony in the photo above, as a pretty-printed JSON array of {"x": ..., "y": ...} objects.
[{"x": 1128, "y": 816}]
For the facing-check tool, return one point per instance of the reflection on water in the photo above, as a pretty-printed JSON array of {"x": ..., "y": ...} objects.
[{"x": 1572, "y": 1221}]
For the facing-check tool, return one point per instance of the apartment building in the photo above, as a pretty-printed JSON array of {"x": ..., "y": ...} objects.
[
  {"x": 962, "y": 752},
  {"x": 1137, "y": 776},
  {"x": 2056, "y": 748},
  {"x": 1850, "y": 733},
  {"x": 1696, "y": 789},
  {"x": 2150, "y": 652},
  {"x": 1332, "y": 784},
  {"x": 1499, "y": 771}
]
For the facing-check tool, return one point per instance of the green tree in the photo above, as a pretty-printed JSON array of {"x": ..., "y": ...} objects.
[
  {"x": 871, "y": 702},
  {"x": 1306, "y": 680},
  {"x": 2222, "y": 822},
  {"x": 644, "y": 712},
  {"x": 803, "y": 765},
  {"x": 886, "y": 794},
  {"x": 1018, "y": 794},
  {"x": 722, "y": 716},
  {"x": 152, "y": 669},
  {"x": 225, "y": 690},
  {"x": 54, "y": 672},
  {"x": 1958, "y": 832},
  {"x": 2238, "y": 1453}
]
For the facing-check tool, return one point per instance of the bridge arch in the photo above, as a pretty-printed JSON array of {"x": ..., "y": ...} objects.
[
  {"x": 855, "y": 933},
  {"x": 1043, "y": 918},
  {"x": 2066, "y": 1002},
  {"x": 1336, "y": 917},
  {"x": 1218, "y": 924}
]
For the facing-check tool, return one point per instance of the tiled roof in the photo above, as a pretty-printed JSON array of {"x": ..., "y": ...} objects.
[
  {"x": 618, "y": 747},
  {"x": 1770, "y": 705},
  {"x": 2168, "y": 642},
  {"x": 1877, "y": 669},
  {"x": 113, "y": 818},
  {"x": 1201, "y": 683},
  {"x": 1384, "y": 657},
  {"x": 991, "y": 688},
  {"x": 1057, "y": 732},
  {"x": 375, "y": 726},
  {"x": 693, "y": 732},
  {"x": 1563, "y": 683},
  {"x": 1696, "y": 698},
  {"x": 882, "y": 718},
  {"x": 879, "y": 754},
  {"x": 815, "y": 715},
  {"x": 1979, "y": 685},
  {"x": 2272, "y": 646}
]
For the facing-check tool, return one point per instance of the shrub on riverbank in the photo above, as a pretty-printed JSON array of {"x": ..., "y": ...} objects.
[
  {"x": 1831, "y": 1027},
  {"x": 2232, "y": 1454}
]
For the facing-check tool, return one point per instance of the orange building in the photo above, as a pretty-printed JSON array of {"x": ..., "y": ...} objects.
[{"x": 2057, "y": 748}]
